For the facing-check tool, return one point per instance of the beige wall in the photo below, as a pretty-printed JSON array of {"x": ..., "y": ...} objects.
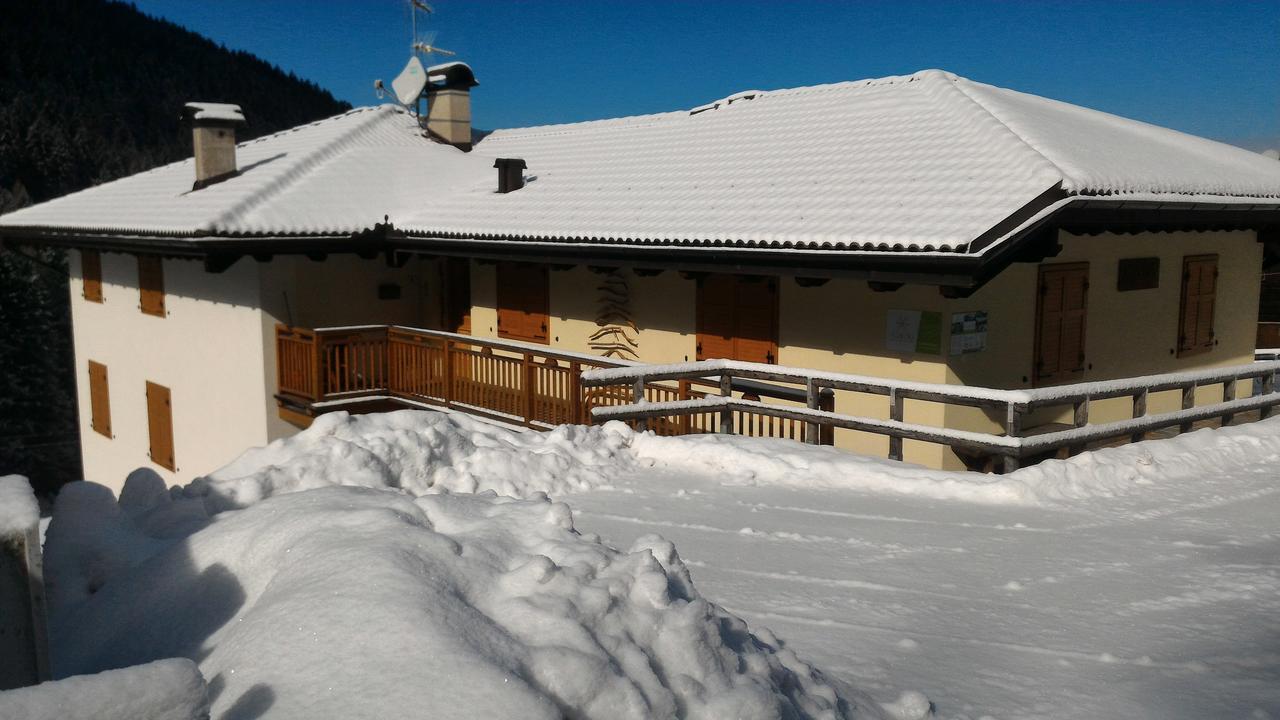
[
  {"x": 840, "y": 327},
  {"x": 208, "y": 351}
]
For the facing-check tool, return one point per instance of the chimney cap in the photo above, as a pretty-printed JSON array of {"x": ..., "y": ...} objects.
[
  {"x": 451, "y": 76},
  {"x": 207, "y": 113}
]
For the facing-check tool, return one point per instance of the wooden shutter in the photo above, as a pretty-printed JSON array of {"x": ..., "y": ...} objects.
[
  {"x": 523, "y": 302},
  {"x": 91, "y": 275},
  {"x": 151, "y": 284},
  {"x": 160, "y": 425},
  {"x": 455, "y": 282},
  {"x": 99, "y": 399},
  {"x": 738, "y": 318},
  {"x": 1199, "y": 296},
  {"x": 1062, "y": 307}
]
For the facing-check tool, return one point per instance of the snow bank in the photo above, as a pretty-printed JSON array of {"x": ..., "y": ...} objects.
[
  {"x": 170, "y": 689},
  {"x": 1109, "y": 472},
  {"x": 419, "y": 452},
  {"x": 18, "y": 508},
  {"x": 360, "y": 602}
]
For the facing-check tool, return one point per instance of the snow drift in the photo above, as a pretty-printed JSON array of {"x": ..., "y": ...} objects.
[
  {"x": 360, "y": 602},
  {"x": 163, "y": 690}
]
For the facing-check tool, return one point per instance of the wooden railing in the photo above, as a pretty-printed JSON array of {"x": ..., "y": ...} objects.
[
  {"x": 511, "y": 381},
  {"x": 1013, "y": 406}
]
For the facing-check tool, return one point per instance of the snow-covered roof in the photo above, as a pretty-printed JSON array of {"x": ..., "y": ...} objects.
[
  {"x": 924, "y": 162},
  {"x": 218, "y": 112},
  {"x": 337, "y": 176}
]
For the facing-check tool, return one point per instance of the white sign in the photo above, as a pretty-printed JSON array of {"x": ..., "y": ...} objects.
[
  {"x": 902, "y": 330},
  {"x": 968, "y": 332}
]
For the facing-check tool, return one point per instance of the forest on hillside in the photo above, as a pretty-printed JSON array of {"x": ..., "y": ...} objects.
[{"x": 91, "y": 91}]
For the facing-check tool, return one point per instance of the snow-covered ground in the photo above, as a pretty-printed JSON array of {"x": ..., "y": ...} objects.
[{"x": 1141, "y": 581}]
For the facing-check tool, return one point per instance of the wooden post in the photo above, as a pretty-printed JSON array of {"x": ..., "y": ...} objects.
[
  {"x": 317, "y": 353},
  {"x": 24, "y": 634},
  {"x": 1081, "y": 419},
  {"x": 447, "y": 390},
  {"x": 1139, "y": 410},
  {"x": 726, "y": 415},
  {"x": 576, "y": 406},
  {"x": 1228, "y": 394},
  {"x": 895, "y": 413},
  {"x": 1188, "y": 402},
  {"x": 528, "y": 389},
  {"x": 637, "y": 397},
  {"x": 683, "y": 394},
  {"x": 811, "y": 429},
  {"x": 1012, "y": 429},
  {"x": 1268, "y": 387}
]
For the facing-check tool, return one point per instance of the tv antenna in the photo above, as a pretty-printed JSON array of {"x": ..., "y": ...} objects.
[{"x": 412, "y": 80}]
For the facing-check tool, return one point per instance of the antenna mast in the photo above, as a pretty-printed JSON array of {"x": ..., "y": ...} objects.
[{"x": 408, "y": 86}]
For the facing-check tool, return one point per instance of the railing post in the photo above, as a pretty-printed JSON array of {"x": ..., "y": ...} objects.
[
  {"x": 811, "y": 429},
  {"x": 1268, "y": 387},
  {"x": 638, "y": 398},
  {"x": 577, "y": 416},
  {"x": 1012, "y": 429},
  {"x": 1139, "y": 410},
  {"x": 1188, "y": 402},
  {"x": 683, "y": 394},
  {"x": 1228, "y": 394},
  {"x": 447, "y": 389},
  {"x": 895, "y": 413},
  {"x": 317, "y": 369},
  {"x": 528, "y": 389},
  {"x": 1080, "y": 419},
  {"x": 726, "y": 415}
]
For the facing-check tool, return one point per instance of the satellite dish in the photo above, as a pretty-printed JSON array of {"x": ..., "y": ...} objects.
[{"x": 409, "y": 84}]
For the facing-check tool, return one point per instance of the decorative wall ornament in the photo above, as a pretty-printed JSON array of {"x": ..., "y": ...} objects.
[{"x": 616, "y": 336}]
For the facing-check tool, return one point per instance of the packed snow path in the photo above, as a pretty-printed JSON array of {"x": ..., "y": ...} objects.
[{"x": 1160, "y": 604}]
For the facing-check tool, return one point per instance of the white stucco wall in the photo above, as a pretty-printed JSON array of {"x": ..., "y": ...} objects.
[{"x": 209, "y": 352}]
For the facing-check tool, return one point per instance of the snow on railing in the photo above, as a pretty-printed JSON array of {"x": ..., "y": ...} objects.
[{"x": 1014, "y": 445}]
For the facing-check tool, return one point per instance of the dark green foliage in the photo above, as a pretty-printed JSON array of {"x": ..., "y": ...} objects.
[{"x": 91, "y": 91}]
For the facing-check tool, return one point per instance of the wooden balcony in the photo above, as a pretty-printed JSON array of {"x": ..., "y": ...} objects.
[{"x": 371, "y": 368}]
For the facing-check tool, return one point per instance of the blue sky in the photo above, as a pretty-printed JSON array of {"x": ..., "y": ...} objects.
[{"x": 1208, "y": 68}]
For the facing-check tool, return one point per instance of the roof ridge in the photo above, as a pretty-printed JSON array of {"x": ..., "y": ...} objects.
[
  {"x": 955, "y": 82},
  {"x": 307, "y": 162}
]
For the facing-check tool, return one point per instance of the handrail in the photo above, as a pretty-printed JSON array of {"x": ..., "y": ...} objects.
[{"x": 1014, "y": 445}]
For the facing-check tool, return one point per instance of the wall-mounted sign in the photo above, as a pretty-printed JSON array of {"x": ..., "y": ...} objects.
[
  {"x": 968, "y": 332},
  {"x": 914, "y": 331}
]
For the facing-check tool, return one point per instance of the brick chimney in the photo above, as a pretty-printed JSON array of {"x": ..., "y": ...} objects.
[
  {"x": 449, "y": 103},
  {"x": 213, "y": 134}
]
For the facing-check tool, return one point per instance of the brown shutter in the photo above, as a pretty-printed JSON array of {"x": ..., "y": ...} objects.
[
  {"x": 160, "y": 425},
  {"x": 757, "y": 320},
  {"x": 716, "y": 297},
  {"x": 1199, "y": 296},
  {"x": 99, "y": 399},
  {"x": 151, "y": 284},
  {"x": 738, "y": 318},
  {"x": 91, "y": 275},
  {"x": 1062, "y": 307},
  {"x": 455, "y": 282},
  {"x": 523, "y": 302}
]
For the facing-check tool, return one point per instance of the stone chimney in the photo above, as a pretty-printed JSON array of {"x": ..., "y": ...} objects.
[
  {"x": 213, "y": 133},
  {"x": 449, "y": 103}
]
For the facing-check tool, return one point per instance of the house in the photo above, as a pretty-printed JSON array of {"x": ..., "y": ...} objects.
[{"x": 924, "y": 227}]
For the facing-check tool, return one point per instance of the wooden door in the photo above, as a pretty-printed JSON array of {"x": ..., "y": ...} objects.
[
  {"x": 1062, "y": 307},
  {"x": 737, "y": 318},
  {"x": 524, "y": 300},
  {"x": 455, "y": 284},
  {"x": 160, "y": 425},
  {"x": 1199, "y": 296}
]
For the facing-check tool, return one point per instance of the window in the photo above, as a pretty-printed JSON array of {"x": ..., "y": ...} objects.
[
  {"x": 1199, "y": 292},
  {"x": 91, "y": 275},
  {"x": 1138, "y": 274},
  {"x": 99, "y": 399},
  {"x": 160, "y": 425},
  {"x": 523, "y": 302},
  {"x": 738, "y": 318},
  {"x": 455, "y": 285},
  {"x": 151, "y": 285},
  {"x": 1062, "y": 306}
]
